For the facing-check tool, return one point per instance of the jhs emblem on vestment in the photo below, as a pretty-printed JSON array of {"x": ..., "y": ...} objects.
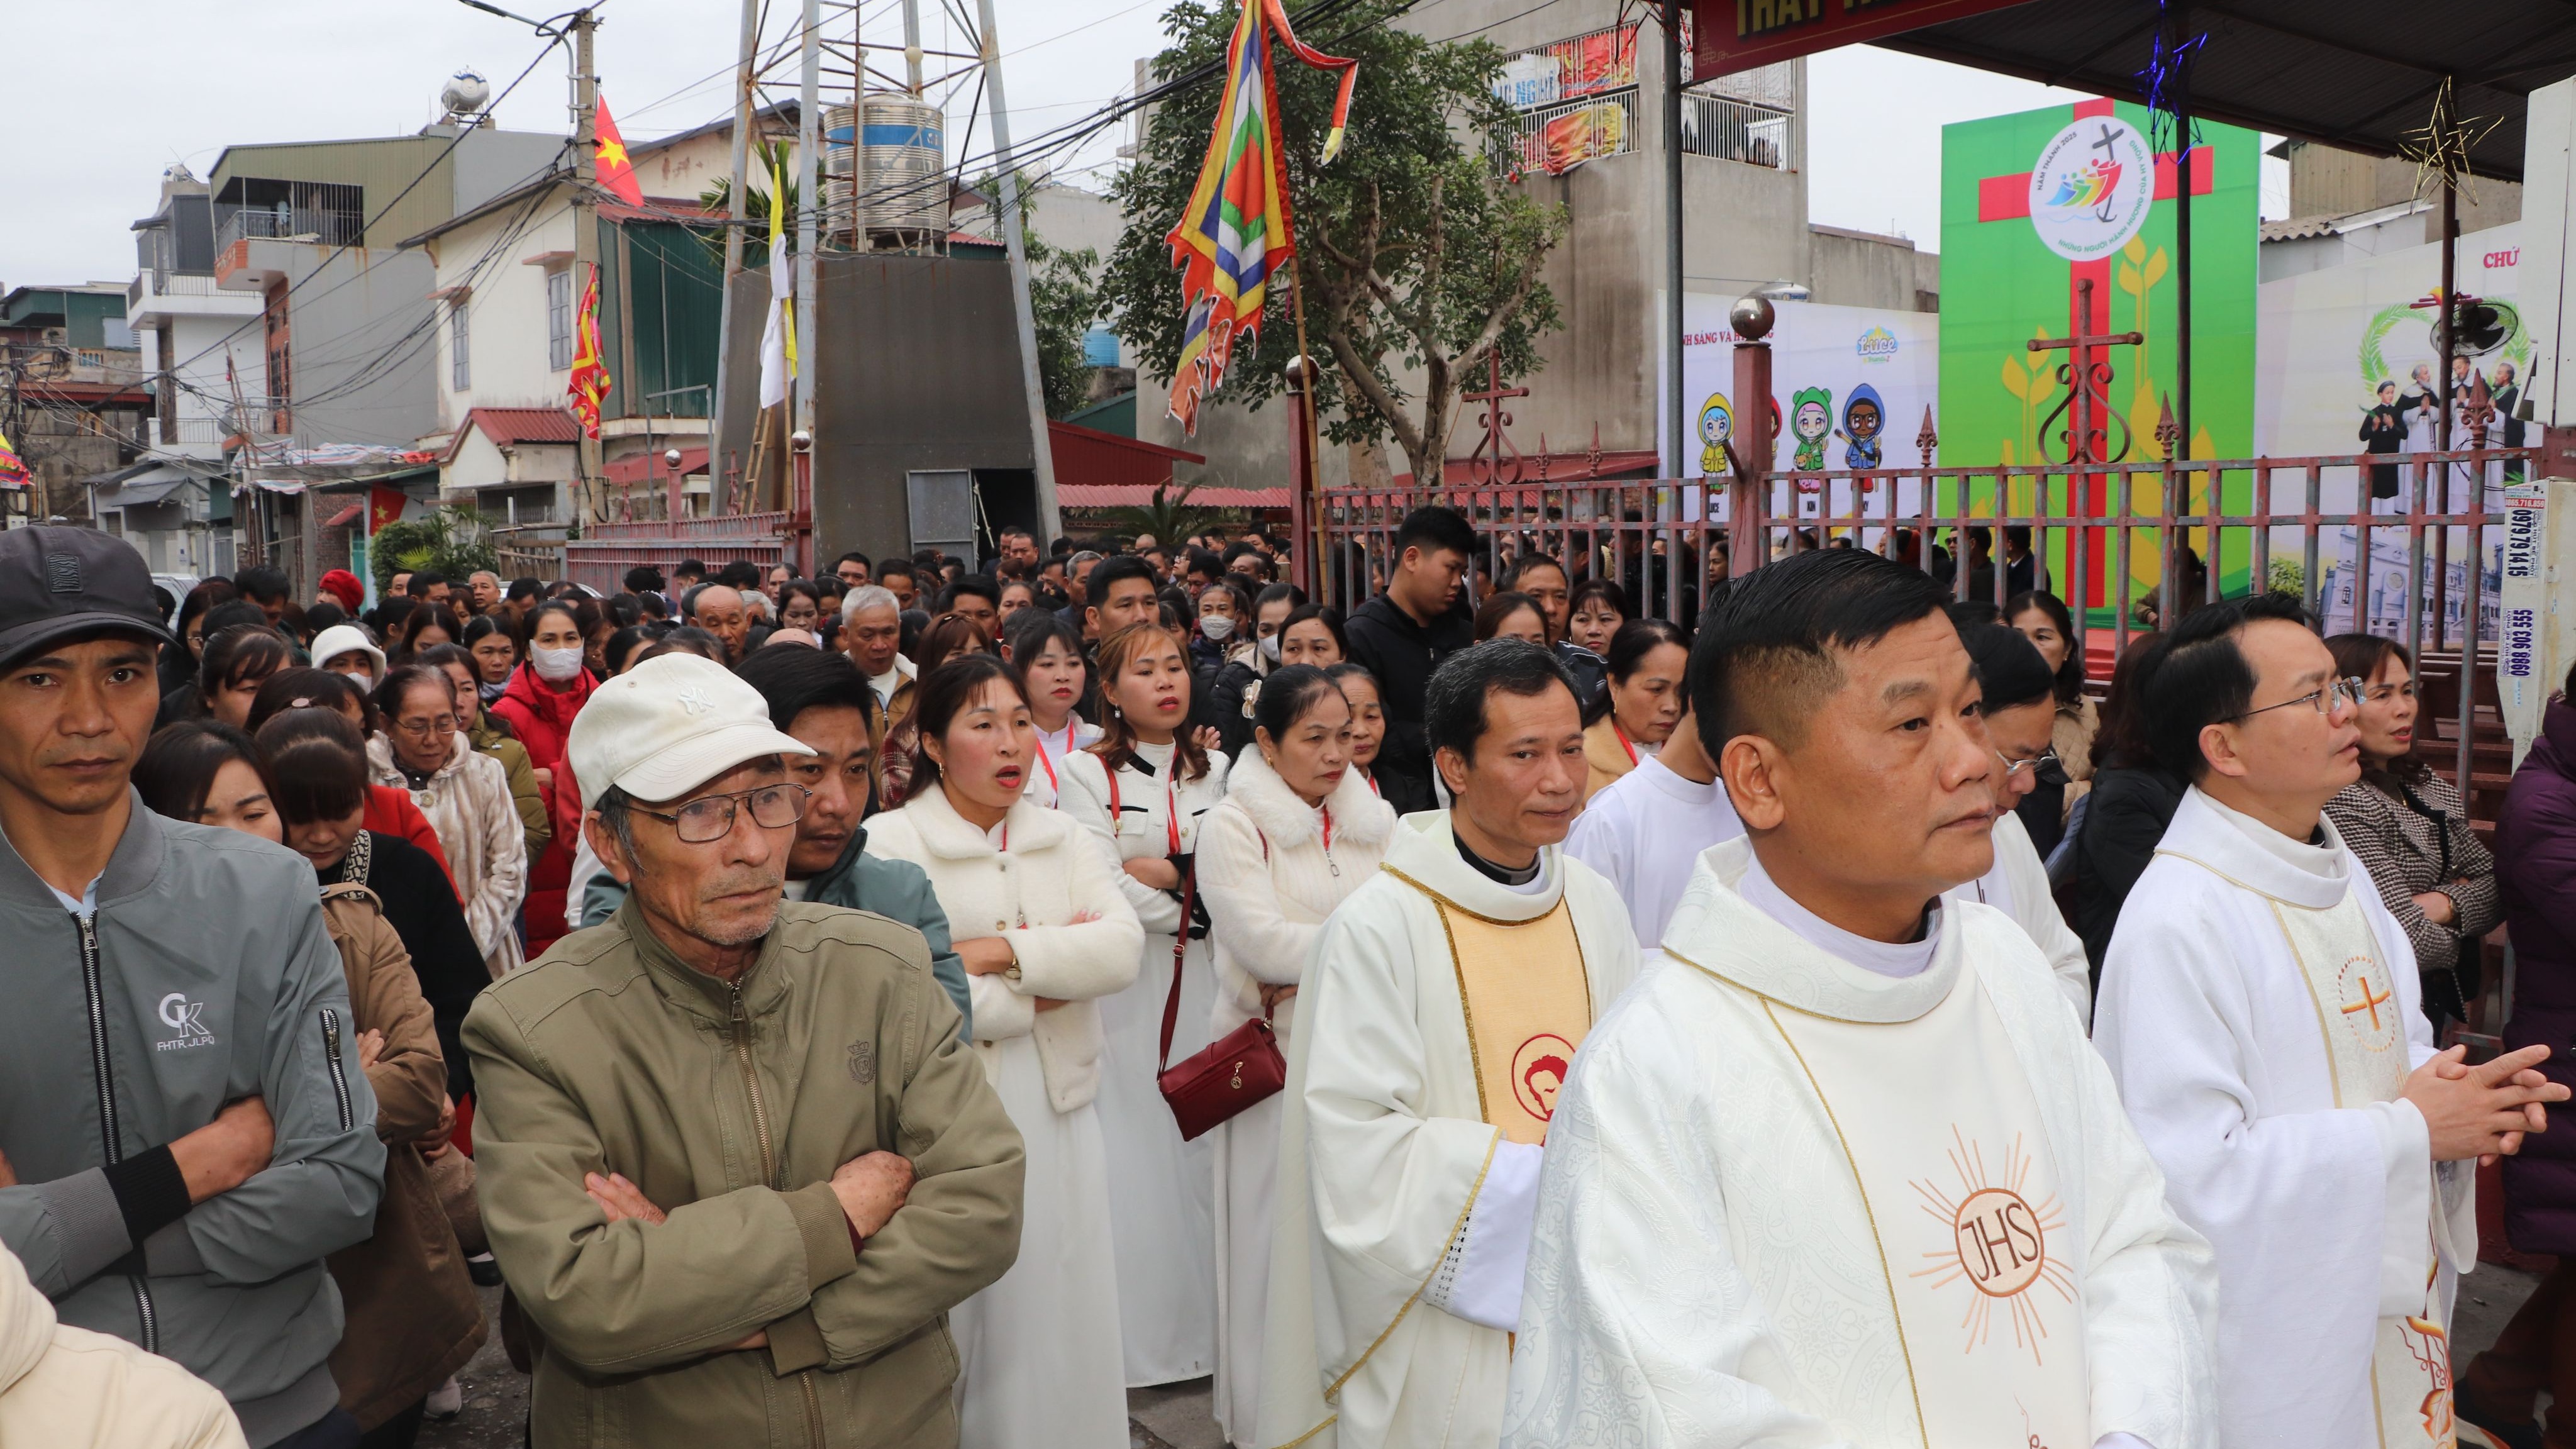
[
  {"x": 1538, "y": 1073},
  {"x": 2366, "y": 999},
  {"x": 1997, "y": 1242}
]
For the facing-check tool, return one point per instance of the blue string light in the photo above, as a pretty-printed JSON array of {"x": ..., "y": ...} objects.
[{"x": 2166, "y": 78}]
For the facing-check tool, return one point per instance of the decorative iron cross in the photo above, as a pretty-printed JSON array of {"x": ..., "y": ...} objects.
[
  {"x": 1486, "y": 467},
  {"x": 2086, "y": 376}
]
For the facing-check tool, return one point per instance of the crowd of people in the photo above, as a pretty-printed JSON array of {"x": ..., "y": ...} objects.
[{"x": 917, "y": 1004}]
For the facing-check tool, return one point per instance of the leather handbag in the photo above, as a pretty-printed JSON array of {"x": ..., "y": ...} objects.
[{"x": 1238, "y": 1069}]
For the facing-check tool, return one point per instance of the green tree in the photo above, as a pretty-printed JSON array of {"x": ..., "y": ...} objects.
[
  {"x": 1417, "y": 260},
  {"x": 449, "y": 540},
  {"x": 718, "y": 199},
  {"x": 1063, "y": 301}
]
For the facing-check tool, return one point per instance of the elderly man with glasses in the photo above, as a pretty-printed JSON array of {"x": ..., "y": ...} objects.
[
  {"x": 2259, "y": 1012},
  {"x": 735, "y": 1163}
]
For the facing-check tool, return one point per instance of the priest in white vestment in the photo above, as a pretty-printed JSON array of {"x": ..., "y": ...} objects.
[
  {"x": 1644, "y": 831},
  {"x": 1841, "y": 1169},
  {"x": 2259, "y": 1011},
  {"x": 1442, "y": 1011}
]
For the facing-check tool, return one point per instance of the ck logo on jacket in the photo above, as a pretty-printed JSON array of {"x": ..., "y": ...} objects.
[{"x": 186, "y": 1018}]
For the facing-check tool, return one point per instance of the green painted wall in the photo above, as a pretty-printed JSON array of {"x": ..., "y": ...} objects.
[{"x": 2001, "y": 286}]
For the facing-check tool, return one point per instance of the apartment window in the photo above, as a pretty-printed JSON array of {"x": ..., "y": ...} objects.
[
  {"x": 460, "y": 373},
  {"x": 559, "y": 319}
]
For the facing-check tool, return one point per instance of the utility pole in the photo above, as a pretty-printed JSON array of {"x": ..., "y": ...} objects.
[
  {"x": 717, "y": 402},
  {"x": 1676, "y": 400},
  {"x": 585, "y": 225},
  {"x": 809, "y": 200},
  {"x": 1009, "y": 201}
]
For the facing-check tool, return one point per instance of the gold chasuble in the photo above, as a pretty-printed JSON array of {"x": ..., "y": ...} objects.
[
  {"x": 2365, "y": 1041},
  {"x": 1529, "y": 1004},
  {"x": 1940, "y": 1126}
]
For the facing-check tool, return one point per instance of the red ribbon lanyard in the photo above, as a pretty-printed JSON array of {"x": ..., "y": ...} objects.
[
  {"x": 1328, "y": 830},
  {"x": 1050, "y": 765},
  {"x": 1623, "y": 742},
  {"x": 1172, "y": 805}
]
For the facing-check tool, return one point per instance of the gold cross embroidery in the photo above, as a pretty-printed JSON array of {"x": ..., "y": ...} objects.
[{"x": 2367, "y": 1003}]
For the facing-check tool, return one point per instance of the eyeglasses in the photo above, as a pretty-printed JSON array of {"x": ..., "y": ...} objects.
[
  {"x": 2321, "y": 699},
  {"x": 427, "y": 729},
  {"x": 2044, "y": 760},
  {"x": 710, "y": 818}
]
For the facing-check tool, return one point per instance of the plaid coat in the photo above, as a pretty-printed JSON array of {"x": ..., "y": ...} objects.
[{"x": 2414, "y": 835}]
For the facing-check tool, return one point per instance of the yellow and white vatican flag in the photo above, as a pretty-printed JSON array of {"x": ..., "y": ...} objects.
[{"x": 778, "y": 339}]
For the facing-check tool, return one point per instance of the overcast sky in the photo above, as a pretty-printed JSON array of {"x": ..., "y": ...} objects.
[{"x": 104, "y": 96}]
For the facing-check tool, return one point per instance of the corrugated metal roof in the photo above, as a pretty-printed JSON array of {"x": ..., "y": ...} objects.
[
  {"x": 525, "y": 425},
  {"x": 1141, "y": 495}
]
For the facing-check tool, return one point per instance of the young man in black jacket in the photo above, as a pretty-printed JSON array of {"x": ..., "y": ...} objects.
[{"x": 1402, "y": 634}]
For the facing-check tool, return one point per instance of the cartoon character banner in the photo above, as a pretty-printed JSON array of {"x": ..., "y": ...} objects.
[
  {"x": 1849, "y": 388},
  {"x": 2033, "y": 207},
  {"x": 2349, "y": 365}
]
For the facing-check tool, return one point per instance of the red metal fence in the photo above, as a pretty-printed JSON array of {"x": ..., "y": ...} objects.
[
  {"x": 600, "y": 558},
  {"x": 2091, "y": 528}
]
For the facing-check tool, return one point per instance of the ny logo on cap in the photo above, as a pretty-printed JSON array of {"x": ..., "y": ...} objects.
[
  {"x": 62, "y": 573},
  {"x": 695, "y": 701}
]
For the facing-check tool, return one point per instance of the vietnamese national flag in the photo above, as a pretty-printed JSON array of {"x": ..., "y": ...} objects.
[
  {"x": 384, "y": 506},
  {"x": 616, "y": 172}
]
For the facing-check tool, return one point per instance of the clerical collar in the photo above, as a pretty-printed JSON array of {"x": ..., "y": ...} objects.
[
  {"x": 1520, "y": 880},
  {"x": 1909, "y": 958},
  {"x": 2314, "y": 856}
]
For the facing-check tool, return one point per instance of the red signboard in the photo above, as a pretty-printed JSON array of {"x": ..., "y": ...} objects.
[{"x": 1738, "y": 35}]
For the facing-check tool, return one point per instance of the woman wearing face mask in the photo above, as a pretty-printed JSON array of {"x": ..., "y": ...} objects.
[
  {"x": 1045, "y": 655},
  {"x": 489, "y": 734},
  {"x": 1040, "y": 1346},
  {"x": 1220, "y": 637},
  {"x": 540, "y": 701},
  {"x": 1226, "y": 697},
  {"x": 2407, "y": 824},
  {"x": 1298, "y": 830},
  {"x": 411, "y": 1315},
  {"x": 1637, "y": 713},
  {"x": 1143, "y": 790},
  {"x": 466, "y": 797}
]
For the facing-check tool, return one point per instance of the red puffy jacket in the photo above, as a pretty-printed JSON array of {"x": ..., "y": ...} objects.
[{"x": 541, "y": 716}]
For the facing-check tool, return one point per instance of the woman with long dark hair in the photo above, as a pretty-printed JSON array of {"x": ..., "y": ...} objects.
[
  {"x": 949, "y": 637},
  {"x": 1594, "y": 612},
  {"x": 2410, "y": 828},
  {"x": 2133, "y": 799},
  {"x": 1642, "y": 703},
  {"x": 494, "y": 647},
  {"x": 2043, "y": 619},
  {"x": 1039, "y": 1348},
  {"x": 1298, "y": 830},
  {"x": 1142, "y": 791},
  {"x": 238, "y": 659},
  {"x": 1045, "y": 655},
  {"x": 411, "y": 1315}
]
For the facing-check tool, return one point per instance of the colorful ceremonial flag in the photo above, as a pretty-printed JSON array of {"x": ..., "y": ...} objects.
[
  {"x": 778, "y": 339},
  {"x": 616, "y": 170},
  {"x": 590, "y": 379},
  {"x": 1236, "y": 231},
  {"x": 13, "y": 469}
]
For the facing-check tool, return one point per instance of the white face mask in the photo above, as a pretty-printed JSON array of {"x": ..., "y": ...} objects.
[
  {"x": 1270, "y": 648},
  {"x": 1217, "y": 627},
  {"x": 557, "y": 665}
]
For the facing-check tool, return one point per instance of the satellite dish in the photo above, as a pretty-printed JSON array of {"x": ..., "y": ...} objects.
[{"x": 465, "y": 94}]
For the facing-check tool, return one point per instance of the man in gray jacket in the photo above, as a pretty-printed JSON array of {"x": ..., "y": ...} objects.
[{"x": 185, "y": 1131}]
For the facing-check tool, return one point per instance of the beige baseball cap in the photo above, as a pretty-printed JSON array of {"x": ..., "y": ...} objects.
[{"x": 667, "y": 726}]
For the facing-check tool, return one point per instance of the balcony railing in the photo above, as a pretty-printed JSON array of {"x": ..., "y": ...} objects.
[
  {"x": 1733, "y": 130},
  {"x": 331, "y": 228},
  {"x": 1555, "y": 139}
]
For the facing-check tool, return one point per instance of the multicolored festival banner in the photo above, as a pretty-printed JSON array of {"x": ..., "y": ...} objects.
[
  {"x": 1236, "y": 230},
  {"x": 2037, "y": 204},
  {"x": 590, "y": 380}
]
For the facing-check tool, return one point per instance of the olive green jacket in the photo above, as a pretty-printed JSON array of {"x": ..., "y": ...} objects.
[
  {"x": 490, "y": 735},
  {"x": 730, "y": 1107}
]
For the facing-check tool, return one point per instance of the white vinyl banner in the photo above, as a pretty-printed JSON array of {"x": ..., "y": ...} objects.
[
  {"x": 2346, "y": 362},
  {"x": 1851, "y": 387}
]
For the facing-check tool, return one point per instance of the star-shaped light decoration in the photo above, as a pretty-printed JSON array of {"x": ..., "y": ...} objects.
[
  {"x": 694, "y": 699},
  {"x": 2440, "y": 147}
]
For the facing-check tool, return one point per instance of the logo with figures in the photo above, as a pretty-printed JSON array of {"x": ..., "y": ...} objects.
[
  {"x": 1997, "y": 1243},
  {"x": 2091, "y": 188},
  {"x": 1538, "y": 1073},
  {"x": 2366, "y": 998}
]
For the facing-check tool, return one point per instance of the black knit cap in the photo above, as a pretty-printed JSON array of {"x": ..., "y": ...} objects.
[{"x": 59, "y": 583}]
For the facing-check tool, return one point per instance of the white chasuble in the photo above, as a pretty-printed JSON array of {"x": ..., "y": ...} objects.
[
  {"x": 1403, "y": 1169},
  {"x": 2259, "y": 1010},
  {"x": 1955, "y": 1169},
  {"x": 1788, "y": 1201}
]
